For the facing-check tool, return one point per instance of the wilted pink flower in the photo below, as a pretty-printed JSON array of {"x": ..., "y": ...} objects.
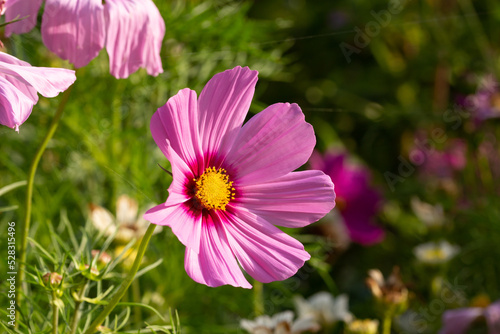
[
  {"x": 357, "y": 201},
  {"x": 460, "y": 320},
  {"x": 131, "y": 30},
  {"x": 233, "y": 183},
  {"x": 19, "y": 84}
]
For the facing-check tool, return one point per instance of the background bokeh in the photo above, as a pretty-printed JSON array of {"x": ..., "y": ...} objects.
[{"x": 406, "y": 86}]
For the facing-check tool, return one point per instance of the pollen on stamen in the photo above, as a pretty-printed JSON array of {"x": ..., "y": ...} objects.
[{"x": 213, "y": 189}]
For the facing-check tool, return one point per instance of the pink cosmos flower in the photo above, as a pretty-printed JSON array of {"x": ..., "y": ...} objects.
[
  {"x": 131, "y": 30},
  {"x": 357, "y": 201},
  {"x": 460, "y": 320},
  {"x": 19, "y": 84},
  {"x": 233, "y": 183}
]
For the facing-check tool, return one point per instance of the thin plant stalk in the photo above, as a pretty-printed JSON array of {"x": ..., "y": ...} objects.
[
  {"x": 55, "y": 312},
  {"x": 125, "y": 283},
  {"x": 387, "y": 323},
  {"x": 29, "y": 194},
  {"x": 258, "y": 298},
  {"x": 78, "y": 306},
  {"x": 136, "y": 298}
]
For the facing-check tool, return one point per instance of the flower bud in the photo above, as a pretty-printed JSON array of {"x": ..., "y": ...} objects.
[
  {"x": 103, "y": 259},
  {"x": 390, "y": 292},
  {"x": 53, "y": 278}
]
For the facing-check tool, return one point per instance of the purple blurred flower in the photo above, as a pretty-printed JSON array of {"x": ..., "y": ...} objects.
[
  {"x": 131, "y": 30},
  {"x": 356, "y": 200},
  {"x": 19, "y": 84},
  {"x": 439, "y": 163},
  {"x": 458, "y": 321},
  {"x": 485, "y": 104}
]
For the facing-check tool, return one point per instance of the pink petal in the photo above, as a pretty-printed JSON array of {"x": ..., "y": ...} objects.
[
  {"x": 15, "y": 107},
  {"x": 74, "y": 30},
  {"x": 17, "y": 9},
  {"x": 294, "y": 200},
  {"x": 186, "y": 224},
  {"x": 264, "y": 251},
  {"x": 223, "y": 105},
  {"x": 135, "y": 31},
  {"x": 271, "y": 144},
  {"x": 20, "y": 83},
  {"x": 29, "y": 91},
  {"x": 49, "y": 82},
  {"x": 177, "y": 123},
  {"x": 492, "y": 315},
  {"x": 458, "y": 321},
  {"x": 215, "y": 264}
]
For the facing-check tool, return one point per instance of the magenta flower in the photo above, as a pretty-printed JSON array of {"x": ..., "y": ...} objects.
[
  {"x": 131, "y": 30},
  {"x": 19, "y": 84},
  {"x": 356, "y": 200},
  {"x": 460, "y": 320},
  {"x": 233, "y": 183}
]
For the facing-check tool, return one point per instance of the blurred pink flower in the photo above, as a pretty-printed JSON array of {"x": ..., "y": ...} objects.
[
  {"x": 458, "y": 321},
  {"x": 440, "y": 163},
  {"x": 233, "y": 183},
  {"x": 19, "y": 84},
  {"x": 131, "y": 30},
  {"x": 357, "y": 201},
  {"x": 485, "y": 103}
]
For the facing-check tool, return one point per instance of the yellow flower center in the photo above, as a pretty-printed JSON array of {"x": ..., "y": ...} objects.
[
  {"x": 213, "y": 189},
  {"x": 434, "y": 254}
]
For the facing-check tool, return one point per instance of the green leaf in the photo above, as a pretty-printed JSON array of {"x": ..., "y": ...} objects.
[
  {"x": 148, "y": 268},
  {"x": 41, "y": 249},
  {"x": 152, "y": 309},
  {"x": 8, "y": 208},
  {"x": 12, "y": 186}
]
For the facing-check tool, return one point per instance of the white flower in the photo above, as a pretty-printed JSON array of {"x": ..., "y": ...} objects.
[
  {"x": 280, "y": 323},
  {"x": 127, "y": 225},
  {"x": 436, "y": 252},
  {"x": 430, "y": 215},
  {"x": 324, "y": 308}
]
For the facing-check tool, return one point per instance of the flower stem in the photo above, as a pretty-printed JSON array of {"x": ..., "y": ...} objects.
[
  {"x": 29, "y": 194},
  {"x": 125, "y": 283},
  {"x": 258, "y": 298},
  {"x": 55, "y": 313},
  {"x": 78, "y": 304},
  {"x": 386, "y": 325}
]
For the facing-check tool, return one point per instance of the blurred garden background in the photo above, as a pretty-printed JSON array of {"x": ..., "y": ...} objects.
[{"x": 404, "y": 91}]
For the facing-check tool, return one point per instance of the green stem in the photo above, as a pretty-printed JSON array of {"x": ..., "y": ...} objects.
[
  {"x": 136, "y": 298},
  {"x": 386, "y": 325},
  {"x": 55, "y": 313},
  {"x": 78, "y": 304},
  {"x": 126, "y": 282},
  {"x": 29, "y": 194},
  {"x": 258, "y": 298}
]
